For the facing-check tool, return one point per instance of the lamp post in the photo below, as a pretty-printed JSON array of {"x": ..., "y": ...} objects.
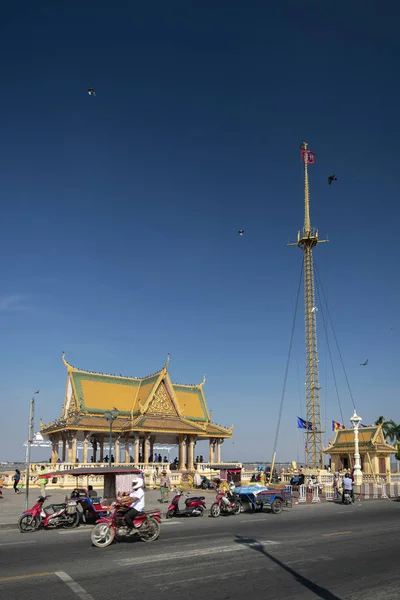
[
  {"x": 31, "y": 434},
  {"x": 355, "y": 421},
  {"x": 111, "y": 415}
]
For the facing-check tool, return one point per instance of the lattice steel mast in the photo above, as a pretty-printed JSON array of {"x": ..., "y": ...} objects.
[{"x": 307, "y": 239}]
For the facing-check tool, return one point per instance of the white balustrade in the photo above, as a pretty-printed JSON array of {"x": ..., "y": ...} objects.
[{"x": 303, "y": 493}]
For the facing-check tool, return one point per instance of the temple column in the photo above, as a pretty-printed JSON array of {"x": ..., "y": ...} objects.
[
  {"x": 146, "y": 448},
  {"x": 54, "y": 448},
  {"x": 212, "y": 445},
  {"x": 117, "y": 450},
  {"x": 219, "y": 444},
  {"x": 152, "y": 440},
  {"x": 101, "y": 458},
  {"x": 182, "y": 453},
  {"x": 86, "y": 436},
  {"x": 71, "y": 446},
  {"x": 126, "y": 453},
  {"x": 190, "y": 452},
  {"x": 136, "y": 448},
  {"x": 94, "y": 449},
  {"x": 64, "y": 449}
]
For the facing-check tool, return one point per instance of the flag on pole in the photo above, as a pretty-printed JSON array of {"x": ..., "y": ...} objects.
[
  {"x": 336, "y": 426},
  {"x": 302, "y": 424}
]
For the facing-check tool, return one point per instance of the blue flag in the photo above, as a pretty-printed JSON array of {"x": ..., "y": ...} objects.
[{"x": 302, "y": 424}]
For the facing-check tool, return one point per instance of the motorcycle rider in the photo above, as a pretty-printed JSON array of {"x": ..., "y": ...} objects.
[
  {"x": 135, "y": 501},
  {"x": 348, "y": 485}
]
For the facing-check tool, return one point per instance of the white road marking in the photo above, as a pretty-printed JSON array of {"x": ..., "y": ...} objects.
[
  {"x": 169, "y": 584},
  {"x": 252, "y": 520},
  {"x": 16, "y": 543},
  {"x": 163, "y": 523},
  {"x": 236, "y": 547},
  {"x": 74, "y": 586}
]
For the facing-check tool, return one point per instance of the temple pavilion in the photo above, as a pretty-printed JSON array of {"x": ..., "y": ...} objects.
[
  {"x": 373, "y": 448},
  {"x": 151, "y": 410}
]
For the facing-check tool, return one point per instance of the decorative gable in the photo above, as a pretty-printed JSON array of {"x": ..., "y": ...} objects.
[{"x": 161, "y": 403}]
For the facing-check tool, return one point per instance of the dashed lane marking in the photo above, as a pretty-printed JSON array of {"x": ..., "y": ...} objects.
[
  {"x": 235, "y": 547},
  {"x": 336, "y": 533}
]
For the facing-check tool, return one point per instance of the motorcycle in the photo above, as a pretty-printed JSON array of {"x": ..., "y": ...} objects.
[
  {"x": 347, "y": 499},
  {"x": 219, "y": 506},
  {"x": 146, "y": 526},
  {"x": 194, "y": 506},
  {"x": 49, "y": 517}
]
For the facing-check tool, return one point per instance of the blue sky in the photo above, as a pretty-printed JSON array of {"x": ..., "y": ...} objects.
[{"x": 120, "y": 211}]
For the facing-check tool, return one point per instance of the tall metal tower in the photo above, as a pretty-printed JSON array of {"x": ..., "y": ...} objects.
[{"x": 307, "y": 239}]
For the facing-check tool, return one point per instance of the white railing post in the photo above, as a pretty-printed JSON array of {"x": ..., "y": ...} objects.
[
  {"x": 375, "y": 490},
  {"x": 329, "y": 493},
  {"x": 384, "y": 494},
  {"x": 315, "y": 494},
  {"x": 366, "y": 491},
  {"x": 391, "y": 492},
  {"x": 303, "y": 492}
]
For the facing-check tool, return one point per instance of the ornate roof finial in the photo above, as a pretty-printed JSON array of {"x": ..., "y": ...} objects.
[
  {"x": 203, "y": 381},
  {"x": 168, "y": 359},
  {"x": 65, "y": 360}
]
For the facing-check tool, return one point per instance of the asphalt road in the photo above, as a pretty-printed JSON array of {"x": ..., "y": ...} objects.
[{"x": 328, "y": 551}]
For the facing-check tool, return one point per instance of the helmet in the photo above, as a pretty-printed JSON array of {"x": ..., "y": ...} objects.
[{"x": 137, "y": 483}]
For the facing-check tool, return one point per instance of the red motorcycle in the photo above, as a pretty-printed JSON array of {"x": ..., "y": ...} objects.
[
  {"x": 194, "y": 507},
  {"x": 225, "y": 504},
  {"x": 146, "y": 525},
  {"x": 49, "y": 517}
]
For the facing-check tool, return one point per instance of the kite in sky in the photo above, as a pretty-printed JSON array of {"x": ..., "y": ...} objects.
[{"x": 91, "y": 91}]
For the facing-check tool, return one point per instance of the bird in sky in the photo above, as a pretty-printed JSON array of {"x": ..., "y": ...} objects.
[
  {"x": 332, "y": 178},
  {"x": 37, "y": 392},
  {"x": 364, "y": 364},
  {"x": 91, "y": 91},
  {"x": 241, "y": 231}
]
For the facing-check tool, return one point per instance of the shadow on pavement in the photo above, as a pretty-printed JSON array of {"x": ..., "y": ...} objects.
[{"x": 307, "y": 583}]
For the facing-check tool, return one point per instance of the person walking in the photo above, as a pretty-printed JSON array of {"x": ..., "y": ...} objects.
[
  {"x": 165, "y": 485},
  {"x": 17, "y": 479}
]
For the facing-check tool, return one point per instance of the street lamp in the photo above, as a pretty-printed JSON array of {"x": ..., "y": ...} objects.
[
  {"x": 355, "y": 421},
  {"x": 110, "y": 416},
  {"x": 31, "y": 434}
]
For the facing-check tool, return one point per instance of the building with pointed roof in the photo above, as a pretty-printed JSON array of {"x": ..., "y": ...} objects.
[
  {"x": 374, "y": 451},
  {"x": 150, "y": 410}
]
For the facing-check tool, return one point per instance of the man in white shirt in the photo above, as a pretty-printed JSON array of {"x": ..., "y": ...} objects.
[
  {"x": 348, "y": 485},
  {"x": 136, "y": 502}
]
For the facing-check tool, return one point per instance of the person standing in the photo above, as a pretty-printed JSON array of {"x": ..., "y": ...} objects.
[
  {"x": 42, "y": 480},
  {"x": 165, "y": 485},
  {"x": 17, "y": 479}
]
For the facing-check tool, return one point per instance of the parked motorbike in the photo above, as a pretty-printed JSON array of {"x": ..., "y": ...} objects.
[
  {"x": 225, "y": 503},
  {"x": 194, "y": 506},
  {"x": 146, "y": 526},
  {"x": 49, "y": 517}
]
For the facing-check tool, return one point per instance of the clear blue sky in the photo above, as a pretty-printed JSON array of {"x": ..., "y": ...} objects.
[{"x": 120, "y": 211}]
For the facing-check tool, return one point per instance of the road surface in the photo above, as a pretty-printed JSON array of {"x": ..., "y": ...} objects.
[{"x": 328, "y": 551}]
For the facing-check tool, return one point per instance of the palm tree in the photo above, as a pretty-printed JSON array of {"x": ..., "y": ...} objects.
[
  {"x": 394, "y": 433},
  {"x": 391, "y": 430}
]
